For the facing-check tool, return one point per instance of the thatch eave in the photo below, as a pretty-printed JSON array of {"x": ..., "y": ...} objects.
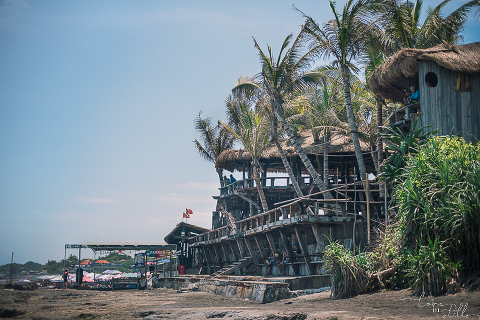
[
  {"x": 340, "y": 144},
  {"x": 397, "y": 73}
]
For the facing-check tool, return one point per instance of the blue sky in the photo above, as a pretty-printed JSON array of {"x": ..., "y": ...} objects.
[{"x": 97, "y": 102}]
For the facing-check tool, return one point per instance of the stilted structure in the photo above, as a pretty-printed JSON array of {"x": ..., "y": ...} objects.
[{"x": 243, "y": 240}]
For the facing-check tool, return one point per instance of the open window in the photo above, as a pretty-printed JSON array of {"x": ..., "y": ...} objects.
[
  {"x": 462, "y": 82},
  {"x": 431, "y": 79}
]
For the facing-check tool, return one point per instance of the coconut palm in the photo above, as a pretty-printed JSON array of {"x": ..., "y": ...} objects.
[
  {"x": 279, "y": 80},
  {"x": 403, "y": 28},
  {"x": 252, "y": 130},
  {"x": 215, "y": 140},
  {"x": 324, "y": 107},
  {"x": 343, "y": 38}
]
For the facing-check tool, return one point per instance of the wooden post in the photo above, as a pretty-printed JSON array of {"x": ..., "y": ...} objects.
[
  {"x": 260, "y": 248},
  {"x": 240, "y": 249},
  {"x": 252, "y": 253},
  {"x": 271, "y": 243},
  {"x": 235, "y": 253},
  {"x": 385, "y": 198},
  {"x": 318, "y": 237},
  {"x": 217, "y": 255},
  {"x": 225, "y": 253},
  {"x": 368, "y": 209},
  {"x": 304, "y": 248},
  {"x": 207, "y": 260}
]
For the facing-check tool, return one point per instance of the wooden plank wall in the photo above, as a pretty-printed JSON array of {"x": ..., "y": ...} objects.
[{"x": 449, "y": 111}]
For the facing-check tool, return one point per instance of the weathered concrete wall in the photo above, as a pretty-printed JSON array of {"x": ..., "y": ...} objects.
[
  {"x": 260, "y": 291},
  {"x": 252, "y": 288}
]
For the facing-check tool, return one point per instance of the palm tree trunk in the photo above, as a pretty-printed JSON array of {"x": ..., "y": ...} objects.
[
  {"x": 261, "y": 194},
  {"x": 326, "y": 137},
  {"x": 289, "y": 170},
  {"x": 220, "y": 176},
  {"x": 351, "y": 122},
  {"x": 285, "y": 162},
  {"x": 303, "y": 156},
  {"x": 380, "y": 143}
]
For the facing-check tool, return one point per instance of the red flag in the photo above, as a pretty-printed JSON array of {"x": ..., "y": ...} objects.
[
  {"x": 120, "y": 252},
  {"x": 186, "y": 215},
  {"x": 189, "y": 211}
]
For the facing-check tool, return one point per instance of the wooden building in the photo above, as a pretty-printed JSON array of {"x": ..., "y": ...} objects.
[
  {"x": 243, "y": 237},
  {"x": 179, "y": 236},
  {"x": 448, "y": 78},
  {"x": 241, "y": 198}
]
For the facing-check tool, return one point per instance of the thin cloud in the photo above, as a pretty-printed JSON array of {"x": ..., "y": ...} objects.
[
  {"x": 195, "y": 185},
  {"x": 98, "y": 200},
  {"x": 10, "y": 9}
]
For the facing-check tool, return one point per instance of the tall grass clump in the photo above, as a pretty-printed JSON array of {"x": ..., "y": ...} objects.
[
  {"x": 437, "y": 197},
  {"x": 348, "y": 271}
]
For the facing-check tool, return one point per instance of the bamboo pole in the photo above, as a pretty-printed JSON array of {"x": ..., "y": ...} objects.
[
  {"x": 386, "y": 206},
  {"x": 368, "y": 210}
]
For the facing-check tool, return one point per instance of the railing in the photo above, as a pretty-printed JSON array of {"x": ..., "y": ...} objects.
[
  {"x": 260, "y": 220},
  {"x": 268, "y": 182},
  {"x": 405, "y": 115}
]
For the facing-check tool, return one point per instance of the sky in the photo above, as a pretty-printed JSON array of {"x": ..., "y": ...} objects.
[{"x": 97, "y": 103}]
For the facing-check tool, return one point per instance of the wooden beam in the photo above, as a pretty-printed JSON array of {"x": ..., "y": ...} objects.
[
  {"x": 212, "y": 256},
  {"x": 225, "y": 252},
  {"x": 318, "y": 237},
  {"x": 252, "y": 253},
  {"x": 316, "y": 193},
  {"x": 207, "y": 260},
  {"x": 247, "y": 199},
  {"x": 233, "y": 251},
  {"x": 304, "y": 248},
  {"x": 218, "y": 255},
  {"x": 240, "y": 248},
  {"x": 271, "y": 243},
  {"x": 260, "y": 248}
]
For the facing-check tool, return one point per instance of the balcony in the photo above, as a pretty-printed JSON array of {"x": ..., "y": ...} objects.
[
  {"x": 405, "y": 116},
  {"x": 266, "y": 183}
]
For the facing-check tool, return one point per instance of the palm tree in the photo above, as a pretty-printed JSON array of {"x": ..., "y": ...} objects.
[
  {"x": 343, "y": 39},
  {"x": 251, "y": 129},
  {"x": 322, "y": 114},
  {"x": 215, "y": 140},
  {"x": 279, "y": 80},
  {"x": 402, "y": 27}
]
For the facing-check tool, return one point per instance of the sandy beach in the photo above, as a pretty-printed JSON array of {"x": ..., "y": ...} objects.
[{"x": 170, "y": 304}]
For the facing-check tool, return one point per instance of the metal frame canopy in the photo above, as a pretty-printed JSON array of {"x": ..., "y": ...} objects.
[{"x": 114, "y": 246}]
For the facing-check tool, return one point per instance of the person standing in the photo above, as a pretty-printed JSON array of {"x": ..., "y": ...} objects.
[{"x": 65, "y": 279}]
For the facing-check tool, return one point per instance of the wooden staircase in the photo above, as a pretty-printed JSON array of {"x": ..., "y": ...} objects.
[{"x": 233, "y": 267}]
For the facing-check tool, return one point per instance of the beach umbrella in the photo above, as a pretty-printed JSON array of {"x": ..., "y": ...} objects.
[
  {"x": 112, "y": 272},
  {"x": 56, "y": 279},
  {"x": 102, "y": 262},
  {"x": 128, "y": 275}
]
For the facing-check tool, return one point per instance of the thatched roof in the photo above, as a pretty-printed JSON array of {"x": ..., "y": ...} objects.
[
  {"x": 391, "y": 77},
  {"x": 340, "y": 144},
  {"x": 174, "y": 236}
]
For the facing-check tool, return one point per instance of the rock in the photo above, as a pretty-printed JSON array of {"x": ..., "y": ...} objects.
[{"x": 25, "y": 285}]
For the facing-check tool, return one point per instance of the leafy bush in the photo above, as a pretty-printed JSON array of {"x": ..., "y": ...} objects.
[{"x": 437, "y": 196}]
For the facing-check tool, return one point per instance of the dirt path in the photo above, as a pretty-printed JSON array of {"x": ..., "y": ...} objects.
[{"x": 169, "y": 304}]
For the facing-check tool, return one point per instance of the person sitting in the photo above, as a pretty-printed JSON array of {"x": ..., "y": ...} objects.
[
  {"x": 407, "y": 96},
  {"x": 285, "y": 260},
  {"x": 414, "y": 96},
  {"x": 296, "y": 251},
  {"x": 270, "y": 263}
]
